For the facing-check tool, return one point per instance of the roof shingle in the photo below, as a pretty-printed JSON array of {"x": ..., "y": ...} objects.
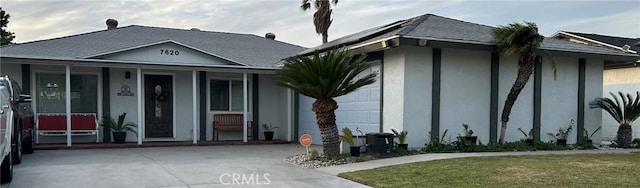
[{"x": 241, "y": 48}]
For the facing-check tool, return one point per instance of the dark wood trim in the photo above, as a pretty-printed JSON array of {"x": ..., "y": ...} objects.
[
  {"x": 581, "y": 98},
  {"x": 493, "y": 113},
  {"x": 435, "y": 93},
  {"x": 202, "y": 79},
  {"x": 381, "y": 80},
  {"x": 537, "y": 94},
  {"x": 106, "y": 101},
  {"x": 296, "y": 116},
  {"x": 256, "y": 110},
  {"x": 26, "y": 78}
]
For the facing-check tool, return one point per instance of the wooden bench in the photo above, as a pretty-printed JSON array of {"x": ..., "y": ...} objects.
[{"x": 230, "y": 122}]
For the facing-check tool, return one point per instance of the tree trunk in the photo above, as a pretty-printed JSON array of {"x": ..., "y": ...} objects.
[
  {"x": 525, "y": 69},
  {"x": 624, "y": 136},
  {"x": 326, "y": 119},
  {"x": 325, "y": 37}
]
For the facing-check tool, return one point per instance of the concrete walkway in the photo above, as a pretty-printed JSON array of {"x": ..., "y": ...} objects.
[{"x": 335, "y": 170}]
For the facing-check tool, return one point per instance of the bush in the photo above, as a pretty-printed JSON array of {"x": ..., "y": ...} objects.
[
  {"x": 463, "y": 146},
  {"x": 635, "y": 143}
]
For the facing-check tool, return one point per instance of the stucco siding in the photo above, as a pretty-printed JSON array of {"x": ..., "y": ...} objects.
[
  {"x": 593, "y": 117},
  {"x": 465, "y": 92},
  {"x": 272, "y": 107},
  {"x": 393, "y": 93},
  {"x": 124, "y": 104},
  {"x": 559, "y": 97},
  {"x": 522, "y": 111},
  {"x": 417, "y": 95},
  {"x": 622, "y": 76},
  {"x": 167, "y": 52}
]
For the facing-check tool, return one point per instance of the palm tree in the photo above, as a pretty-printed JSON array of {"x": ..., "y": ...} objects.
[
  {"x": 324, "y": 77},
  {"x": 322, "y": 16},
  {"x": 524, "y": 40},
  {"x": 624, "y": 113}
]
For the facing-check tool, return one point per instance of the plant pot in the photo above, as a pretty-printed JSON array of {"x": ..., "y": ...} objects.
[
  {"x": 529, "y": 142},
  {"x": 588, "y": 142},
  {"x": 404, "y": 146},
  {"x": 119, "y": 137},
  {"x": 470, "y": 139},
  {"x": 355, "y": 151},
  {"x": 561, "y": 142},
  {"x": 268, "y": 136}
]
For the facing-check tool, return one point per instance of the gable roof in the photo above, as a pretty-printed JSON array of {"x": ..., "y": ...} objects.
[
  {"x": 612, "y": 40},
  {"x": 437, "y": 28},
  {"x": 242, "y": 49}
]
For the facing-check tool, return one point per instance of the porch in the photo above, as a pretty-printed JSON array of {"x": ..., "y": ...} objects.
[{"x": 171, "y": 105}]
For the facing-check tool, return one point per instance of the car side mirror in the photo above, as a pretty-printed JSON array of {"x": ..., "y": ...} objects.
[{"x": 24, "y": 98}]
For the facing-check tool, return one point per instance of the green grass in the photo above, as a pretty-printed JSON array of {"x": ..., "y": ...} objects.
[{"x": 580, "y": 170}]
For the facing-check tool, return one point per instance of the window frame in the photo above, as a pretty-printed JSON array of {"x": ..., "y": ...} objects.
[{"x": 230, "y": 80}]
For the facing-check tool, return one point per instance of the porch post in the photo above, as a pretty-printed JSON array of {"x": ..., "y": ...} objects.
[
  {"x": 244, "y": 107},
  {"x": 139, "y": 89},
  {"x": 289, "y": 115},
  {"x": 195, "y": 106},
  {"x": 67, "y": 95}
]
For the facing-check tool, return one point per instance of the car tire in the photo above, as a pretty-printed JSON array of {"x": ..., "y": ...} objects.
[
  {"x": 28, "y": 144},
  {"x": 6, "y": 170},
  {"x": 17, "y": 150}
]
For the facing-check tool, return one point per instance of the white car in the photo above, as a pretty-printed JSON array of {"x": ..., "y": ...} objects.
[{"x": 6, "y": 130}]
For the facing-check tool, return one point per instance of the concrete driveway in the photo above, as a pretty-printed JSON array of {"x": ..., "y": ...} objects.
[{"x": 206, "y": 166}]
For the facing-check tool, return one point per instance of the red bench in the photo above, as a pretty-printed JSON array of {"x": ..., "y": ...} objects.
[
  {"x": 56, "y": 124},
  {"x": 230, "y": 122}
]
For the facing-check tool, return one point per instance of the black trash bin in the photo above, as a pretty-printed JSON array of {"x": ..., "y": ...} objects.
[{"x": 380, "y": 143}]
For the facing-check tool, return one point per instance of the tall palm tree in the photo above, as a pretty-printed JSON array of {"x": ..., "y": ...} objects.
[
  {"x": 624, "y": 113},
  {"x": 324, "y": 77},
  {"x": 322, "y": 16},
  {"x": 524, "y": 40}
]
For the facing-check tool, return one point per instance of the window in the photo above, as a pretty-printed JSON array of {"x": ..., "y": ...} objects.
[
  {"x": 50, "y": 93},
  {"x": 226, "y": 95}
]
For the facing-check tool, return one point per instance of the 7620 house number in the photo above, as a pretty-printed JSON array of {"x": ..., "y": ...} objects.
[{"x": 169, "y": 52}]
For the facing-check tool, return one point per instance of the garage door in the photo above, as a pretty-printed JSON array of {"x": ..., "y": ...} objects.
[{"x": 359, "y": 109}]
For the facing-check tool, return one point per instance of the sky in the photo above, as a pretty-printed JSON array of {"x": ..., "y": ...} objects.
[{"x": 44, "y": 19}]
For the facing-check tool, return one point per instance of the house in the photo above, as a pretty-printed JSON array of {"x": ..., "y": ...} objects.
[
  {"x": 619, "y": 76},
  {"x": 170, "y": 82},
  {"x": 437, "y": 73}
]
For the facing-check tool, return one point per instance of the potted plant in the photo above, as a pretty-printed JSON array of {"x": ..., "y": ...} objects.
[
  {"x": 528, "y": 137},
  {"x": 268, "y": 131},
  {"x": 468, "y": 135},
  {"x": 118, "y": 128},
  {"x": 402, "y": 137},
  {"x": 588, "y": 141},
  {"x": 347, "y": 136},
  {"x": 562, "y": 134}
]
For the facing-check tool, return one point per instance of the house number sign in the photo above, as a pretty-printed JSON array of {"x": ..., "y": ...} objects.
[{"x": 169, "y": 52}]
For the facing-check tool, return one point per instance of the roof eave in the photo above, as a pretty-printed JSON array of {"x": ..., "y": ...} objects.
[{"x": 129, "y": 64}]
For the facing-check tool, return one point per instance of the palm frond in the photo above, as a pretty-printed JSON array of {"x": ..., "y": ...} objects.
[
  {"x": 305, "y": 5},
  {"x": 325, "y": 76},
  {"x": 625, "y": 110}
]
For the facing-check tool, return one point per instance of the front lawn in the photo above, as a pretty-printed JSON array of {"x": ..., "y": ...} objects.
[{"x": 580, "y": 170}]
